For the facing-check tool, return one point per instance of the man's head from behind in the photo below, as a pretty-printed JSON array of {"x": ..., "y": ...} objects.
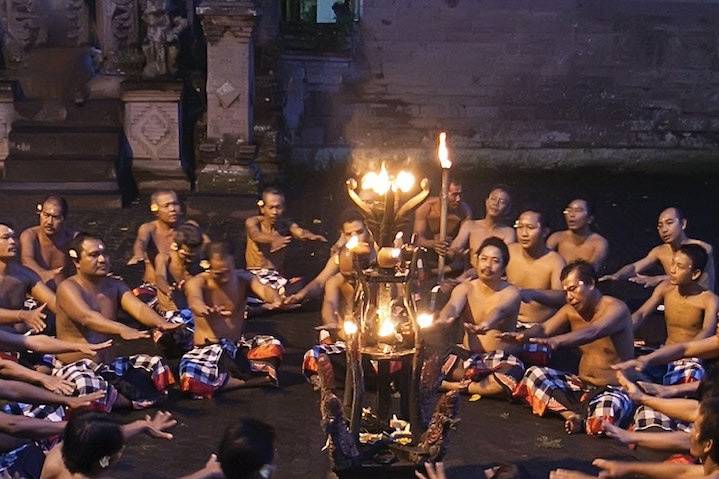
[
  {"x": 188, "y": 242},
  {"x": 52, "y": 211},
  {"x": 91, "y": 444},
  {"x": 247, "y": 450}
]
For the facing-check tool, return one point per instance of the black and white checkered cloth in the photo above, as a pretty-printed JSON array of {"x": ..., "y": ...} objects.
[
  {"x": 646, "y": 418},
  {"x": 506, "y": 368}
]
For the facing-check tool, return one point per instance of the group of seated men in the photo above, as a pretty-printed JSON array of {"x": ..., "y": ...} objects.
[
  {"x": 523, "y": 294},
  {"x": 526, "y": 293}
]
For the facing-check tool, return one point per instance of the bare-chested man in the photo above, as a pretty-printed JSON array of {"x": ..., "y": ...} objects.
[
  {"x": 533, "y": 266},
  {"x": 222, "y": 358},
  {"x": 157, "y": 235},
  {"x": 44, "y": 247},
  {"x": 578, "y": 241},
  {"x": 671, "y": 226},
  {"x": 473, "y": 232},
  {"x": 690, "y": 312},
  {"x": 88, "y": 305},
  {"x": 427, "y": 219},
  {"x": 18, "y": 281},
  {"x": 268, "y": 235},
  {"x": 601, "y": 327},
  {"x": 488, "y": 306}
]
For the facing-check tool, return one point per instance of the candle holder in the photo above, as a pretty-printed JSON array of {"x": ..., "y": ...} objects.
[{"x": 385, "y": 329}]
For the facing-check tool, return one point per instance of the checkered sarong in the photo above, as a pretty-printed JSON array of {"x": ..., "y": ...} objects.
[
  {"x": 90, "y": 377},
  {"x": 203, "y": 371},
  {"x": 648, "y": 418},
  {"x": 548, "y": 389},
  {"x": 174, "y": 344},
  {"x": 533, "y": 354},
  {"x": 268, "y": 277},
  {"x": 682, "y": 371},
  {"x": 309, "y": 362},
  {"x": 504, "y": 367}
]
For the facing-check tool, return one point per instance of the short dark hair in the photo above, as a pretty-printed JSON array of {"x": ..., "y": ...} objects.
[
  {"x": 87, "y": 439},
  {"x": 497, "y": 243},
  {"x": 189, "y": 234},
  {"x": 585, "y": 271},
  {"x": 245, "y": 448},
  {"x": 539, "y": 212},
  {"x": 7, "y": 224},
  {"x": 454, "y": 180},
  {"x": 271, "y": 190},
  {"x": 709, "y": 409},
  {"x": 218, "y": 248},
  {"x": 590, "y": 211},
  {"x": 500, "y": 186},
  {"x": 157, "y": 193},
  {"x": 76, "y": 243},
  {"x": 351, "y": 215},
  {"x": 679, "y": 212},
  {"x": 697, "y": 254},
  {"x": 60, "y": 201}
]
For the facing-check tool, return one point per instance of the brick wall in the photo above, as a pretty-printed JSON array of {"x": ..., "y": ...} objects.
[{"x": 531, "y": 82}]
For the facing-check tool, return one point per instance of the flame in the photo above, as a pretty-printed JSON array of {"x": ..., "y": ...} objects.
[
  {"x": 352, "y": 243},
  {"x": 425, "y": 320},
  {"x": 396, "y": 252},
  {"x": 378, "y": 182},
  {"x": 350, "y": 328},
  {"x": 386, "y": 327},
  {"x": 442, "y": 151},
  {"x": 404, "y": 181}
]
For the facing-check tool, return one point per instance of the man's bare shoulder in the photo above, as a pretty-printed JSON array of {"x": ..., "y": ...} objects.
[
  {"x": 511, "y": 293},
  {"x": 708, "y": 298},
  {"x": 597, "y": 239},
  {"x": 555, "y": 238},
  {"x": 147, "y": 228},
  {"x": 29, "y": 234},
  {"x": 701, "y": 243},
  {"x": 555, "y": 259},
  {"x": 252, "y": 220},
  {"x": 514, "y": 249},
  {"x": 423, "y": 210},
  {"x": 23, "y": 273},
  {"x": 613, "y": 305}
]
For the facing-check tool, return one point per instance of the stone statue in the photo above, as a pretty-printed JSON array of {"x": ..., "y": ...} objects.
[{"x": 161, "y": 41}]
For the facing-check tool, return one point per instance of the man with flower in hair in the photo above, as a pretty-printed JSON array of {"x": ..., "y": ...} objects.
[
  {"x": 157, "y": 235},
  {"x": 223, "y": 358},
  {"x": 578, "y": 241},
  {"x": 487, "y": 306},
  {"x": 601, "y": 327},
  {"x": 268, "y": 235},
  {"x": 44, "y": 247},
  {"x": 88, "y": 305}
]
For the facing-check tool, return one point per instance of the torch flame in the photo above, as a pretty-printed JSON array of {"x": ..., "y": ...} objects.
[
  {"x": 442, "y": 152},
  {"x": 378, "y": 182},
  {"x": 352, "y": 243}
]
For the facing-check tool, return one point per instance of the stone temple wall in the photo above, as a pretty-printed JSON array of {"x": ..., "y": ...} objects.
[{"x": 523, "y": 82}]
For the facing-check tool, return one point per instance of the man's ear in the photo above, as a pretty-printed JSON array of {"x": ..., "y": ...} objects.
[
  {"x": 696, "y": 274},
  {"x": 684, "y": 224}
]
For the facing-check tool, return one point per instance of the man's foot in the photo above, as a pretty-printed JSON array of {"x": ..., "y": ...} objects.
[
  {"x": 573, "y": 423},
  {"x": 459, "y": 386}
]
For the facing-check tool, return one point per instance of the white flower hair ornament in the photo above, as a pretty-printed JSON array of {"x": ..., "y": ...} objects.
[
  {"x": 260, "y": 203},
  {"x": 38, "y": 207},
  {"x": 174, "y": 246},
  {"x": 73, "y": 253},
  {"x": 154, "y": 208},
  {"x": 105, "y": 462},
  {"x": 204, "y": 264}
]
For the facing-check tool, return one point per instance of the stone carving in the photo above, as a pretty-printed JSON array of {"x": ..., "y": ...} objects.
[
  {"x": 118, "y": 29},
  {"x": 161, "y": 41},
  {"x": 153, "y": 130},
  {"x": 23, "y": 27},
  {"x": 78, "y": 21}
]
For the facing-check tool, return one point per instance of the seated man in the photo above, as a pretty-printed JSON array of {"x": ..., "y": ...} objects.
[
  {"x": 473, "y": 232},
  {"x": 157, "y": 235},
  {"x": 223, "y": 359},
  {"x": 88, "y": 306},
  {"x": 690, "y": 313},
  {"x": 268, "y": 235},
  {"x": 92, "y": 443},
  {"x": 671, "y": 226},
  {"x": 535, "y": 269},
  {"x": 17, "y": 282},
  {"x": 43, "y": 248},
  {"x": 488, "y": 306},
  {"x": 426, "y": 225},
  {"x": 578, "y": 241},
  {"x": 601, "y": 327},
  {"x": 172, "y": 271}
]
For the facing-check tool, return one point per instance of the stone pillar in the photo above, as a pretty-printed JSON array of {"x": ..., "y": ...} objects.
[
  {"x": 7, "y": 116},
  {"x": 227, "y": 155},
  {"x": 153, "y": 130}
]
